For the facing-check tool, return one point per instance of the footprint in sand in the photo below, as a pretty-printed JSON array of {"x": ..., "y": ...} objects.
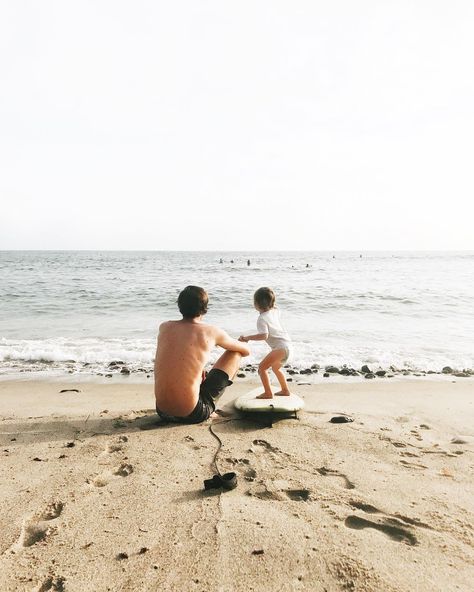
[
  {"x": 298, "y": 495},
  {"x": 410, "y": 454},
  {"x": 397, "y": 519},
  {"x": 365, "y": 507},
  {"x": 52, "y": 584},
  {"x": 411, "y": 465},
  {"x": 325, "y": 472},
  {"x": 416, "y": 435},
  {"x": 116, "y": 445},
  {"x": 261, "y": 491},
  {"x": 124, "y": 470},
  {"x": 395, "y": 526},
  {"x": 244, "y": 467},
  {"x": 388, "y": 526},
  {"x": 265, "y": 445},
  {"x": 38, "y": 527}
]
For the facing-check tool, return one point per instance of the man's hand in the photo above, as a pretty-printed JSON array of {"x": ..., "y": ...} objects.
[{"x": 243, "y": 338}]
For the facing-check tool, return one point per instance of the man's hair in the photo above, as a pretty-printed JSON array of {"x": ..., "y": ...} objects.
[
  {"x": 264, "y": 298},
  {"x": 192, "y": 302}
]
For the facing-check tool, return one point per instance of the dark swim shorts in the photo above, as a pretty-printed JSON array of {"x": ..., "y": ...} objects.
[{"x": 212, "y": 387}]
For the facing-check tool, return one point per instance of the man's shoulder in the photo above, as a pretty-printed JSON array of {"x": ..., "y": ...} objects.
[
  {"x": 167, "y": 325},
  {"x": 212, "y": 329}
]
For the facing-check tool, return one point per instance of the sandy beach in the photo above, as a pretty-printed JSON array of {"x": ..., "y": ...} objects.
[{"x": 96, "y": 495}]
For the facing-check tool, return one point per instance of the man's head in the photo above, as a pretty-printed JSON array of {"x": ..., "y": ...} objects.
[
  {"x": 264, "y": 299},
  {"x": 192, "y": 302}
]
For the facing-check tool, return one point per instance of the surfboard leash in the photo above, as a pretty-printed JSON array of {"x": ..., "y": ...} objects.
[{"x": 227, "y": 481}]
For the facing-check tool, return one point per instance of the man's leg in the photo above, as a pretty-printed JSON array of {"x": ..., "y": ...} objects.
[
  {"x": 219, "y": 378},
  {"x": 229, "y": 363}
]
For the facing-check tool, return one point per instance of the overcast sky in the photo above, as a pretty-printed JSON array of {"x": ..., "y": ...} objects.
[{"x": 236, "y": 125}]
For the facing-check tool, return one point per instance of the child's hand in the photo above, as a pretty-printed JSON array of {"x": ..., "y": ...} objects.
[{"x": 243, "y": 338}]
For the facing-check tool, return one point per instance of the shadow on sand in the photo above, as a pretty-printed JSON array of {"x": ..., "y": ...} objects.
[{"x": 50, "y": 429}]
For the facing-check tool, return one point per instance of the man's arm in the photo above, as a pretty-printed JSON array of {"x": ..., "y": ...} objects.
[{"x": 227, "y": 342}]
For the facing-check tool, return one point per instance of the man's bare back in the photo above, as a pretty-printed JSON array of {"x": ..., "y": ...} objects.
[{"x": 182, "y": 352}]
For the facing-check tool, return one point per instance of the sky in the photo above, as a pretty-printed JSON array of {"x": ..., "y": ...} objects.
[{"x": 217, "y": 125}]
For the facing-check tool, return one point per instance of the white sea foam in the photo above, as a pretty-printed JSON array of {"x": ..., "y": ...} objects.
[{"x": 92, "y": 355}]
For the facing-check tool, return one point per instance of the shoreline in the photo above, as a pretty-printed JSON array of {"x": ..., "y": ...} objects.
[
  {"x": 91, "y": 477},
  {"x": 314, "y": 373}
]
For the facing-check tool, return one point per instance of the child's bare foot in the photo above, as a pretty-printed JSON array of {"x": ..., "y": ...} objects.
[
  {"x": 283, "y": 393},
  {"x": 265, "y": 396}
]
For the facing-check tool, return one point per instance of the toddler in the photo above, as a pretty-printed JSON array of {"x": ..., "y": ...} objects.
[{"x": 270, "y": 330}]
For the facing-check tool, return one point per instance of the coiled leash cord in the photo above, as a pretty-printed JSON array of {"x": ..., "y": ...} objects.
[{"x": 226, "y": 481}]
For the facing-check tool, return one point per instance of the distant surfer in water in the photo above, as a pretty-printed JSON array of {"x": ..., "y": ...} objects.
[
  {"x": 270, "y": 330},
  {"x": 183, "y": 393}
]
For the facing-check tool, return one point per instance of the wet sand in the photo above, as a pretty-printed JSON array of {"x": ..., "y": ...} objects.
[{"x": 97, "y": 495}]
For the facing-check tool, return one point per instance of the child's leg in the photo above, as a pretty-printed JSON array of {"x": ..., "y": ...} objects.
[
  {"x": 285, "y": 391},
  {"x": 269, "y": 361}
]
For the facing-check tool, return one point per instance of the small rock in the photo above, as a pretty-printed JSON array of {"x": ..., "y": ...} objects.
[
  {"x": 315, "y": 367},
  {"x": 240, "y": 375},
  {"x": 291, "y": 372},
  {"x": 332, "y": 369},
  {"x": 326, "y": 375},
  {"x": 462, "y": 374},
  {"x": 69, "y": 445},
  {"x": 143, "y": 550},
  {"x": 258, "y": 552},
  {"x": 447, "y": 370},
  {"x": 108, "y": 376},
  {"x": 370, "y": 375},
  {"x": 121, "y": 556},
  {"x": 306, "y": 371},
  {"x": 125, "y": 370},
  {"x": 381, "y": 373},
  {"x": 365, "y": 369}
]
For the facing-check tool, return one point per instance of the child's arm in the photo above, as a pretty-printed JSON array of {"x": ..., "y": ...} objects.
[{"x": 256, "y": 337}]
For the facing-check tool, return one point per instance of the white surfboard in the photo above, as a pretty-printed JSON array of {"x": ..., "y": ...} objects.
[{"x": 278, "y": 404}]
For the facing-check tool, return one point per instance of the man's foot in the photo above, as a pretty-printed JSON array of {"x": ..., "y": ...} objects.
[
  {"x": 264, "y": 396},
  {"x": 283, "y": 393}
]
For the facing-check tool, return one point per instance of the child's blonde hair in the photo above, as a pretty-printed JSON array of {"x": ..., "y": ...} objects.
[{"x": 264, "y": 298}]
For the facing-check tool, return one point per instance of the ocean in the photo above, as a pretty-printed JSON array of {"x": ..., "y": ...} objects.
[{"x": 74, "y": 312}]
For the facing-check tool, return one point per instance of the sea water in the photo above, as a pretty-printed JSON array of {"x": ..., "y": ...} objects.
[{"x": 77, "y": 311}]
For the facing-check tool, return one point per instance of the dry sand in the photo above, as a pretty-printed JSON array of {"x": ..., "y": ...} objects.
[{"x": 97, "y": 496}]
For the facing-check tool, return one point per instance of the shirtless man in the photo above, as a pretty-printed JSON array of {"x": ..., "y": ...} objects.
[{"x": 181, "y": 354}]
